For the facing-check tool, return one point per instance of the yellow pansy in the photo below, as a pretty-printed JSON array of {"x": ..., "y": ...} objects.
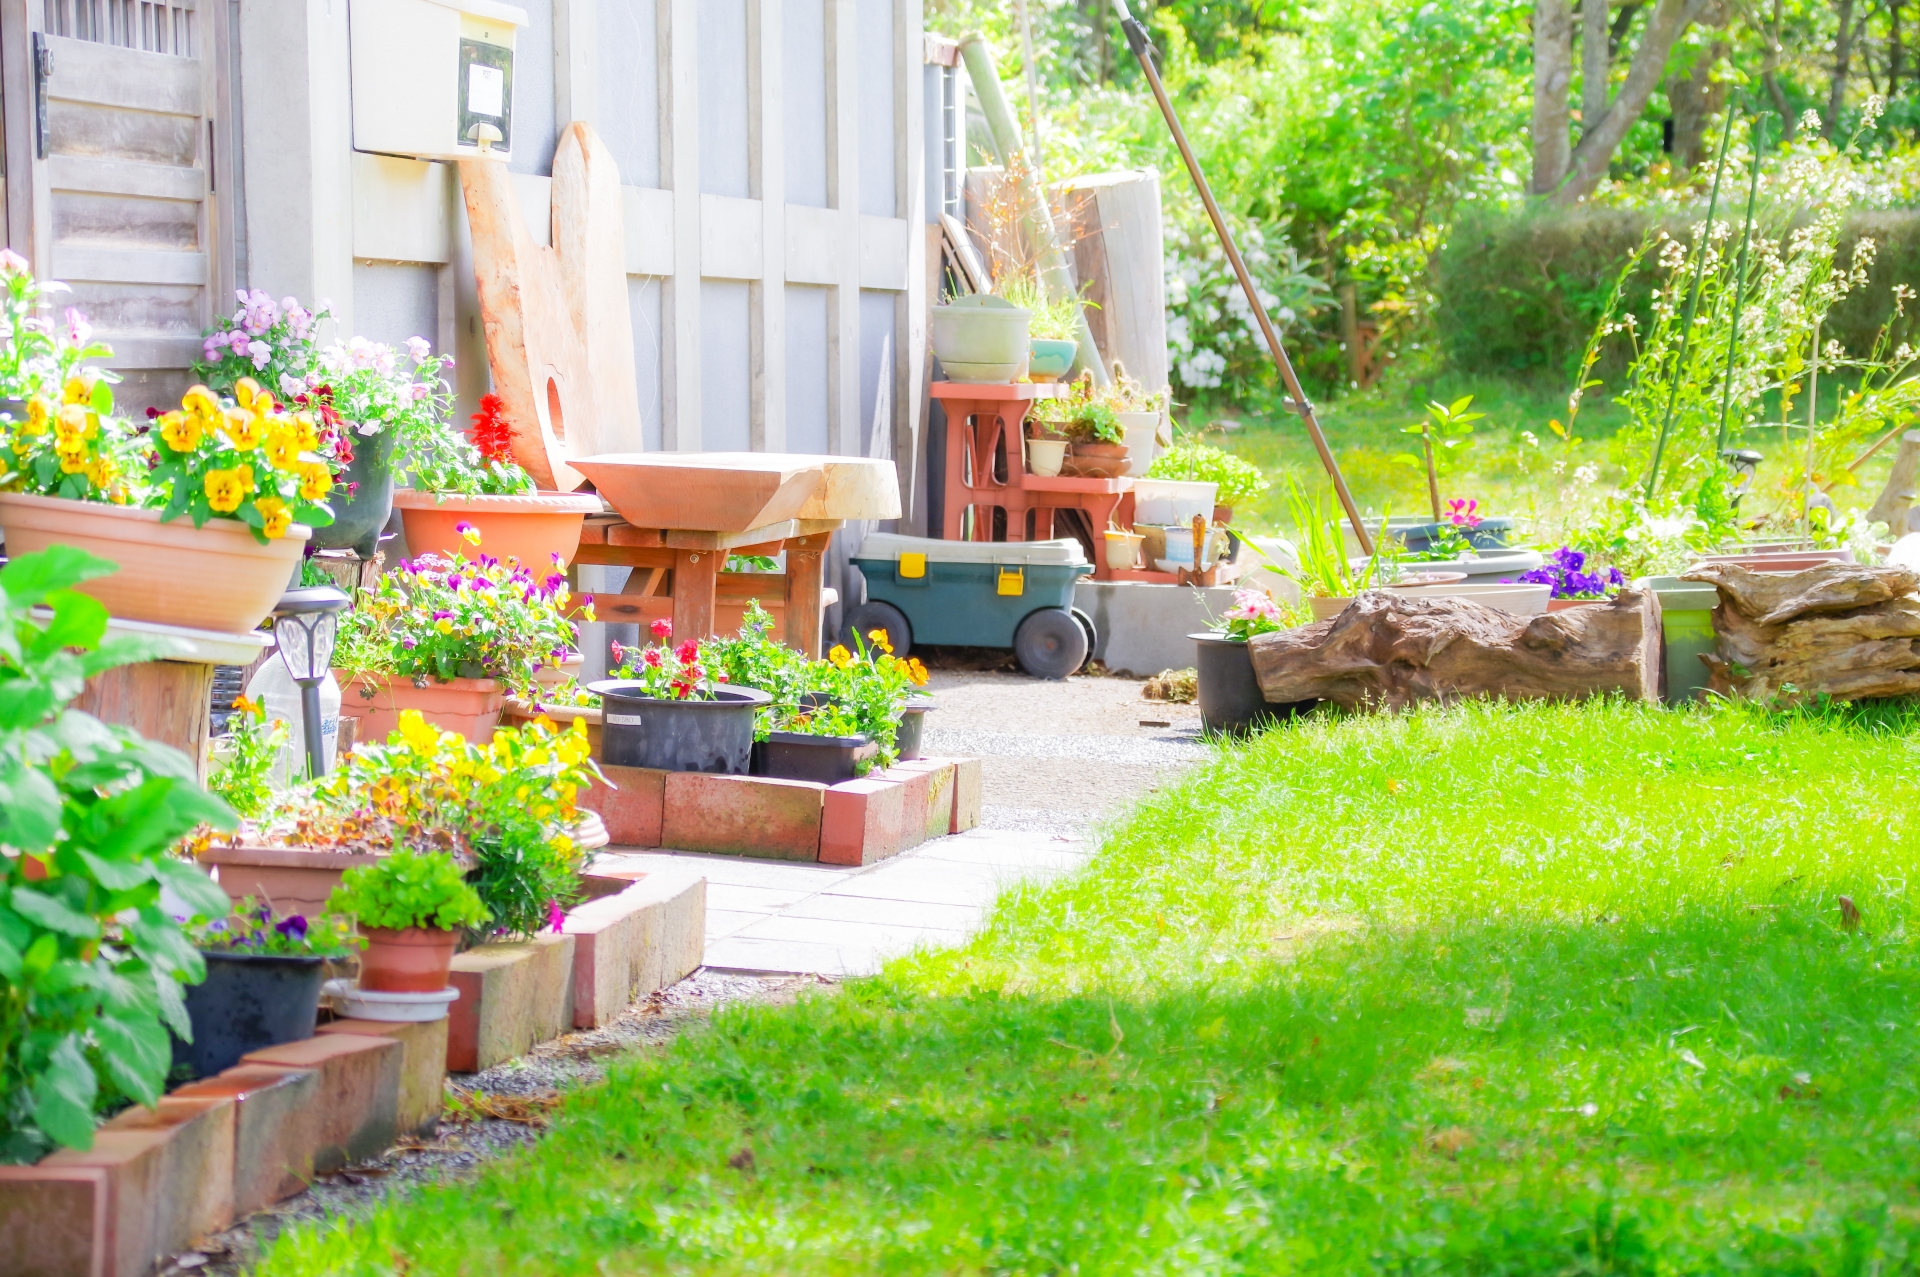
[
  {"x": 225, "y": 490},
  {"x": 283, "y": 448},
  {"x": 415, "y": 731},
  {"x": 304, "y": 430},
  {"x": 244, "y": 429},
  {"x": 315, "y": 480},
  {"x": 443, "y": 626},
  {"x": 245, "y": 391},
  {"x": 840, "y": 656},
  {"x": 101, "y": 471},
  {"x": 77, "y": 390},
  {"x": 182, "y": 433},
  {"x": 276, "y": 516},
  {"x": 39, "y": 413},
  {"x": 72, "y": 452},
  {"x": 76, "y": 421},
  {"x": 201, "y": 403}
]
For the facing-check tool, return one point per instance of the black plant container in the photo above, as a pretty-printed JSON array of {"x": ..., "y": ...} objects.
[
  {"x": 909, "y": 736},
  {"x": 248, "y": 1002},
  {"x": 1230, "y": 696},
  {"x": 827, "y": 760},
  {"x": 678, "y": 736}
]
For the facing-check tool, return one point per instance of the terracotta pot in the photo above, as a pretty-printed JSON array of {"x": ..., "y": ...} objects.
[
  {"x": 1222, "y": 515},
  {"x": 531, "y": 528},
  {"x": 410, "y": 960},
  {"x": 1565, "y": 605},
  {"x": 291, "y": 879},
  {"x": 470, "y": 706},
  {"x": 1096, "y": 461},
  {"x": 214, "y": 577},
  {"x": 516, "y": 712}
]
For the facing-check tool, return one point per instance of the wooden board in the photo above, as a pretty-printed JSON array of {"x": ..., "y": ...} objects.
[
  {"x": 741, "y": 491},
  {"x": 165, "y": 701},
  {"x": 559, "y": 331}
]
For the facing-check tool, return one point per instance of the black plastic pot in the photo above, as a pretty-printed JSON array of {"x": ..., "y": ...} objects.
[
  {"x": 677, "y": 736},
  {"x": 358, "y": 519},
  {"x": 248, "y": 1003},
  {"x": 826, "y": 760},
  {"x": 913, "y": 725},
  {"x": 1230, "y": 696}
]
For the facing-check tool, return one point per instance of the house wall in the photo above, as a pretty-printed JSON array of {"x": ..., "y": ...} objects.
[{"x": 773, "y": 159}]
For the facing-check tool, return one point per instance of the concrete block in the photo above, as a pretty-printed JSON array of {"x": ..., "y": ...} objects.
[
  {"x": 863, "y": 821},
  {"x": 934, "y": 816},
  {"x": 56, "y": 1221},
  {"x": 1142, "y": 628},
  {"x": 133, "y": 1164},
  {"x": 743, "y": 816},
  {"x": 195, "y": 1175},
  {"x": 627, "y": 945},
  {"x": 511, "y": 996},
  {"x": 276, "y": 1116},
  {"x": 631, "y": 809},
  {"x": 356, "y": 1103},
  {"x": 423, "y": 1067},
  {"x": 918, "y": 781},
  {"x": 966, "y": 795}
]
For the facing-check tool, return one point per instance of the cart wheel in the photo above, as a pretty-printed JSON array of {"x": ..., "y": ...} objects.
[
  {"x": 875, "y": 615},
  {"x": 1050, "y": 643},
  {"x": 1093, "y": 635}
]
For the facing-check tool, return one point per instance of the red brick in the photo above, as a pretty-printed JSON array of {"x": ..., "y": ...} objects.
[
  {"x": 862, "y": 821},
  {"x": 358, "y": 1099},
  {"x": 511, "y": 996},
  {"x": 966, "y": 794},
  {"x": 631, "y": 809},
  {"x": 627, "y": 945},
  {"x": 935, "y": 816},
  {"x": 56, "y": 1221},
  {"x": 274, "y": 1132},
  {"x": 743, "y": 816},
  {"x": 423, "y": 1066},
  {"x": 196, "y": 1166},
  {"x": 918, "y": 781},
  {"x": 133, "y": 1162}
]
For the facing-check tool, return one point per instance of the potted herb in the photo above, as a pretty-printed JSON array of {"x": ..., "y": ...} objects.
[
  {"x": 264, "y": 973},
  {"x": 1143, "y": 417},
  {"x": 860, "y": 694},
  {"x": 1083, "y": 416},
  {"x": 1236, "y": 480},
  {"x": 411, "y": 908},
  {"x": 1326, "y": 577},
  {"x": 451, "y": 638},
  {"x": 1229, "y": 694},
  {"x": 1446, "y": 434},
  {"x": 668, "y": 708},
  {"x": 475, "y": 483},
  {"x": 1053, "y": 331},
  {"x": 1565, "y": 571}
]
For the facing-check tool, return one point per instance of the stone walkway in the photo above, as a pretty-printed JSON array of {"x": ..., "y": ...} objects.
[{"x": 1055, "y": 757}]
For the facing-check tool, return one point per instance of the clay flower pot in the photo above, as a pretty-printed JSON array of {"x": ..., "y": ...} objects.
[
  {"x": 470, "y": 706},
  {"x": 531, "y": 528},
  {"x": 1567, "y": 605},
  {"x": 1096, "y": 461},
  {"x": 215, "y": 577},
  {"x": 411, "y": 960}
]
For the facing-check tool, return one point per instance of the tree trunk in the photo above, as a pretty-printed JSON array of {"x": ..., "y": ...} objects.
[
  {"x": 1842, "y": 66},
  {"x": 1695, "y": 98},
  {"x": 1665, "y": 25},
  {"x": 1552, "y": 77},
  {"x": 1770, "y": 76},
  {"x": 1596, "y": 64},
  {"x": 1896, "y": 48},
  {"x": 1840, "y": 630}
]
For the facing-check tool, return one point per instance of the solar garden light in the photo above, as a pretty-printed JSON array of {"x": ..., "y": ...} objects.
[{"x": 304, "y": 625}]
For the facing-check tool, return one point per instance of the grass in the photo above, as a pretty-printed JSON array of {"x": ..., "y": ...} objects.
[{"x": 1548, "y": 989}]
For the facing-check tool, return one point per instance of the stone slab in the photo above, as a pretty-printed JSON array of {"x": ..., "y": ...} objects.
[
  {"x": 276, "y": 1118},
  {"x": 423, "y": 1067},
  {"x": 511, "y": 996},
  {"x": 743, "y": 816},
  {"x": 966, "y": 795},
  {"x": 631, "y": 809},
  {"x": 629, "y": 944},
  {"x": 133, "y": 1163},
  {"x": 917, "y": 781},
  {"x": 357, "y": 1101},
  {"x": 863, "y": 821},
  {"x": 56, "y": 1221}
]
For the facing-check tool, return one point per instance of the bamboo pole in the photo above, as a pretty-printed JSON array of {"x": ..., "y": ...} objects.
[
  {"x": 1143, "y": 50},
  {"x": 1693, "y": 305}
]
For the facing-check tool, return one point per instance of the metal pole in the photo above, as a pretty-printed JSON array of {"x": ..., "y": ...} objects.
[
  {"x": 1143, "y": 50},
  {"x": 310, "y": 727},
  {"x": 1693, "y": 304},
  {"x": 1740, "y": 285}
]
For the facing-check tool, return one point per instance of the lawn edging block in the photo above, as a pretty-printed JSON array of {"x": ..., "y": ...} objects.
[
  {"x": 966, "y": 795},
  {"x": 57, "y": 1221},
  {"x": 357, "y": 1101},
  {"x": 931, "y": 815},
  {"x": 629, "y": 944},
  {"x": 862, "y": 821},
  {"x": 511, "y": 996},
  {"x": 743, "y": 815},
  {"x": 631, "y": 809},
  {"x": 423, "y": 1066},
  {"x": 275, "y": 1129}
]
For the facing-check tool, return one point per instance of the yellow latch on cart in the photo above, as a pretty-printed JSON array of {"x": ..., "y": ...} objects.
[
  {"x": 1013, "y": 582},
  {"x": 913, "y": 565}
]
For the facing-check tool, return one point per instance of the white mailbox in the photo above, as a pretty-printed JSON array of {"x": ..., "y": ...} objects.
[{"x": 434, "y": 78}]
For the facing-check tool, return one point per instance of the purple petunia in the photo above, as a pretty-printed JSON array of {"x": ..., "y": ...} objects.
[{"x": 1565, "y": 571}]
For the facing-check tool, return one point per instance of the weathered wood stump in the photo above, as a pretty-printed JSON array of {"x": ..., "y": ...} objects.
[
  {"x": 1392, "y": 648},
  {"x": 1842, "y": 630}
]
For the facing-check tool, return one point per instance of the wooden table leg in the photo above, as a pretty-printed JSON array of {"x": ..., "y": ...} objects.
[
  {"x": 805, "y": 568},
  {"x": 695, "y": 574}
]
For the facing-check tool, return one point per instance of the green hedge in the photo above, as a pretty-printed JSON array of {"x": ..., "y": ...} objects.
[{"x": 1518, "y": 293}]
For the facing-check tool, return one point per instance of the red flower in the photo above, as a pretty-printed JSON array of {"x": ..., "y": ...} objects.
[
  {"x": 662, "y": 628},
  {"x": 688, "y": 652},
  {"x": 492, "y": 433},
  {"x": 619, "y": 652}
]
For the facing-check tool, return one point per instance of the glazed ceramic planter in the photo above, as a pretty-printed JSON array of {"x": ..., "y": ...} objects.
[
  {"x": 214, "y": 577},
  {"x": 1142, "y": 439},
  {"x": 358, "y": 519},
  {"x": 1051, "y": 359},
  {"x": 470, "y": 706},
  {"x": 1123, "y": 550},
  {"x": 406, "y": 960},
  {"x": 1327, "y": 609},
  {"x": 531, "y": 528},
  {"x": 981, "y": 339}
]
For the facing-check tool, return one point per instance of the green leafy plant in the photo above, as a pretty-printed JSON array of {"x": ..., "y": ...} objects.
[
  {"x": 90, "y": 964},
  {"x": 481, "y": 464},
  {"x": 1082, "y": 414},
  {"x": 1324, "y": 570},
  {"x": 254, "y": 928},
  {"x": 1445, "y": 433},
  {"x": 1236, "y": 479},
  {"x": 1051, "y": 320},
  {"x": 409, "y": 889},
  {"x": 245, "y": 757}
]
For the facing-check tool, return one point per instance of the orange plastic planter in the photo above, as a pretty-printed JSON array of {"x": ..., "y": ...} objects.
[
  {"x": 531, "y": 528},
  {"x": 470, "y": 706}
]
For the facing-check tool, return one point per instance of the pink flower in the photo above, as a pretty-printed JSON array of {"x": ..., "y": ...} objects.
[
  {"x": 11, "y": 263},
  {"x": 556, "y": 916},
  {"x": 653, "y": 658},
  {"x": 662, "y": 628},
  {"x": 1464, "y": 513},
  {"x": 418, "y": 349},
  {"x": 79, "y": 331},
  {"x": 618, "y": 651}
]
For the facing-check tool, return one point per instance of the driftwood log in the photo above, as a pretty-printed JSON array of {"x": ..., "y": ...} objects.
[
  {"x": 1391, "y": 648},
  {"x": 1842, "y": 630}
]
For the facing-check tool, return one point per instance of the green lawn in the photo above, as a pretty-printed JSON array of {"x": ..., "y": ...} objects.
[{"x": 1484, "y": 990}]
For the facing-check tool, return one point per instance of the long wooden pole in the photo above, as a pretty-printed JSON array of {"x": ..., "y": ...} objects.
[{"x": 1143, "y": 50}]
